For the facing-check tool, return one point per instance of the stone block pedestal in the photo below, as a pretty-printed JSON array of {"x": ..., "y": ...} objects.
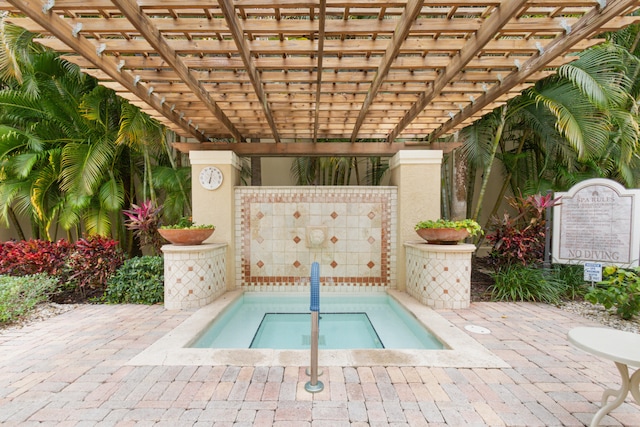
[
  {"x": 439, "y": 276},
  {"x": 193, "y": 275}
]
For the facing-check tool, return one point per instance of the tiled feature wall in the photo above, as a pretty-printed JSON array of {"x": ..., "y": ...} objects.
[
  {"x": 439, "y": 276},
  {"x": 193, "y": 275},
  {"x": 350, "y": 231}
]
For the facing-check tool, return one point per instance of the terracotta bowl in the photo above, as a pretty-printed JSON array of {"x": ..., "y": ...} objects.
[
  {"x": 442, "y": 236},
  {"x": 186, "y": 237}
]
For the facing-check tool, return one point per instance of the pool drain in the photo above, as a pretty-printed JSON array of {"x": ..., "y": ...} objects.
[{"x": 477, "y": 329}]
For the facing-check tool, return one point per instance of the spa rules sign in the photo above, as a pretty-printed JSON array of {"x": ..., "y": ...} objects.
[{"x": 597, "y": 220}]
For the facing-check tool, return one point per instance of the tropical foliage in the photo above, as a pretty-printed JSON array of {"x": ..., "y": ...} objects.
[
  {"x": 526, "y": 283},
  {"x": 338, "y": 170},
  {"x": 72, "y": 153},
  {"x": 620, "y": 289},
  {"x": 520, "y": 238},
  {"x": 91, "y": 262},
  {"x": 144, "y": 221},
  {"x": 581, "y": 123},
  {"x": 27, "y": 257},
  {"x": 81, "y": 266}
]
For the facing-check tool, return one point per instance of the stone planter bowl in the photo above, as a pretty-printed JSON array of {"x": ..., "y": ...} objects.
[
  {"x": 442, "y": 236},
  {"x": 185, "y": 236}
]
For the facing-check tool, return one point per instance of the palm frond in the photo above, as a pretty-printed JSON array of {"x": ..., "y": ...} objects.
[
  {"x": 9, "y": 67},
  {"x": 21, "y": 165},
  {"x": 84, "y": 165},
  {"x": 97, "y": 220},
  {"x": 68, "y": 215},
  {"x": 598, "y": 75},
  {"x": 44, "y": 193},
  {"x": 112, "y": 194},
  {"x": 576, "y": 119}
]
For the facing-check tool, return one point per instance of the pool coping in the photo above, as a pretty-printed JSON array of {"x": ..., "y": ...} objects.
[{"x": 463, "y": 351}]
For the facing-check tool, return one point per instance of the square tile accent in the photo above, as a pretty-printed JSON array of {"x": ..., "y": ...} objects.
[{"x": 360, "y": 228}]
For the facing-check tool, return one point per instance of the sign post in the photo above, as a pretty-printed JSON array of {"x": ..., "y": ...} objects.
[{"x": 592, "y": 272}]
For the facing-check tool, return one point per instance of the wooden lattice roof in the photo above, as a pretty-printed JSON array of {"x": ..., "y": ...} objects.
[{"x": 394, "y": 71}]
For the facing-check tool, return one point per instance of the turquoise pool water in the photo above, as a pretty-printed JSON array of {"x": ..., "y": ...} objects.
[
  {"x": 346, "y": 322},
  {"x": 338, "y": 331}
]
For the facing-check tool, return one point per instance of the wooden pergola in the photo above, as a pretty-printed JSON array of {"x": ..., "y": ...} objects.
[{"x": 318, "y": 77}]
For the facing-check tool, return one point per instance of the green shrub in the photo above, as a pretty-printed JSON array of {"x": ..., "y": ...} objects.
[
  {"x": 139, "y": 281},
  {"x": 20, "y": 294},
  {"x": 620, "y": 289},
  {"x": 573, "y": 278},
  {"x": 523, "y": 283}
]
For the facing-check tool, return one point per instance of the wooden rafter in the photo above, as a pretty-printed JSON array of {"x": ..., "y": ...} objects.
[
  {"x": 299, "y": 72},
  {"x": 228, "y": 9},
  {"x": 155, "y": 39},
  {"x": 503, "y": 14},
  {"x": 399, "y": 35},
  {"x": 316, "y": 116},
  {"x": 89, "y": 50},
  {"x": 586, "y": 26},
  {"x": 308, "y": 47},
  {"x": 333, "y": 28}
]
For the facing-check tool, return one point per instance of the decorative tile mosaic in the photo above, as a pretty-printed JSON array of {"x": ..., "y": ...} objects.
[
  {"x": 439, "y": 276},
  {"x": 193, "y": 275},
  {"x": 281, "y": 231}
]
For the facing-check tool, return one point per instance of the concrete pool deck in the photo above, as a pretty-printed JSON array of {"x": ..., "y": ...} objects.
[{"x": 75, "y": 369}]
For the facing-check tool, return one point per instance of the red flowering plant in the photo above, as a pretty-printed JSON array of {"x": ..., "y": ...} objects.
[
  {"x": 144, "y": 221},
  {"x": 19, "y": 258},
  {"x": 92, "y": 261},
  {"x": 520, "y": 239}
]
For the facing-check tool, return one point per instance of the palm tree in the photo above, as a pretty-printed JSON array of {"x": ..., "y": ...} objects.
[
  {"x": 568, "y": 127},
  {"x": 71, "y": 150}
]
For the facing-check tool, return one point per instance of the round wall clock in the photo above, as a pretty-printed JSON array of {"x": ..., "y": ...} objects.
[{"x": 211, "y": 177}]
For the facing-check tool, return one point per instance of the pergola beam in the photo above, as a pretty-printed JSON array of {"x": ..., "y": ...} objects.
[
  {"x": 294, "y": 28},
  {"x": 308, "y": 71},
  {"x": 61, "y": 29},
  {"x": 275, "y": 77},
  {"x": 229, "y": 12},
  {"x": 498, "y": 19},
  {"x": 320, "y": 149},
  {"x": 153, "y": 36},
  {"x": 399, "y": 35},
  {"x": 298, "y": 63},
  {"x": 588, "y": 24},
  {"x": 192, "y": 4},
  {"x": 316, "y": 122},
  {"x": 309, "y": 47}
]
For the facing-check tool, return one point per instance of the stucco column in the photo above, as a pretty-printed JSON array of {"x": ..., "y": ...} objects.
[
  {"x": 416, "y": 173},
  {"x": 217, "y": 206}
]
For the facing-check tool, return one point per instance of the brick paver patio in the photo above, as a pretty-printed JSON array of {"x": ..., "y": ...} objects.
[{"x": 71, "y": 370}]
